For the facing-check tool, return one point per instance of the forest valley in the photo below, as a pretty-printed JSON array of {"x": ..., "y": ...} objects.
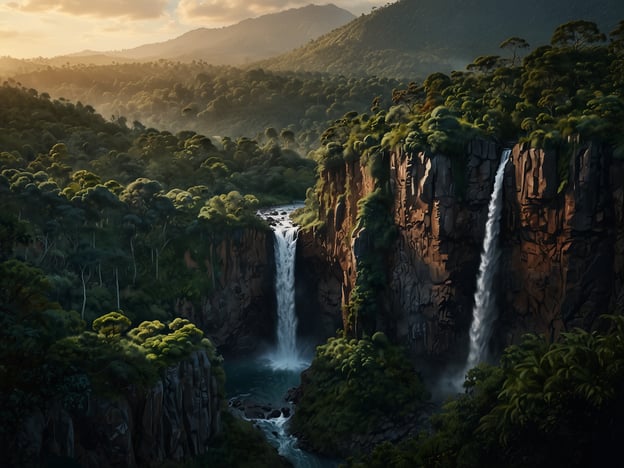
[{"x": 107, "y": 228}]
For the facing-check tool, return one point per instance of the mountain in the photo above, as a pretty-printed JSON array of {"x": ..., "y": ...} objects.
[
  {"x": 418, "y": 37},
  {"x": 251, "y": 39}
]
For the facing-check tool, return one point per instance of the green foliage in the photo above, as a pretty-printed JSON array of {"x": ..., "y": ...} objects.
[
  {"x": 546, "y": 404},
  {"x": 113, "y": 360},
  {"x": 446, "y": 134},
  {"x": 353, "y": 387},
  {"x": 111, "y": 325},
  {"x": 226, "y": 212},
  {"x": 577, "y": 34},
  {"x": 30, "y": 323},
  {"x": 559, "y": 94},
  {"x": 213, "y": 100},
  {"x": 375, "y": 231},
  {"x": 109, "y": 212}
]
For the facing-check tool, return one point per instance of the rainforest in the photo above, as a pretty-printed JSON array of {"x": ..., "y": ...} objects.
[{"x": 305, "y": 261}]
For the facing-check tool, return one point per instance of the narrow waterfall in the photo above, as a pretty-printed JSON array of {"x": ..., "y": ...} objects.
[
  {"x": 286, "y": 355},
  {"x": 483, "y": 312}
]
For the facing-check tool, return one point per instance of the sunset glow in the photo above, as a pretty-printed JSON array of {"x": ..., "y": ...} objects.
[{"x": 34, "y": 28}]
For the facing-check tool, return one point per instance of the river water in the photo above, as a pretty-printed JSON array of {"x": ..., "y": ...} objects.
[
  {"x": 265, "y": 380},
  {"x": 259, "y": 381}
]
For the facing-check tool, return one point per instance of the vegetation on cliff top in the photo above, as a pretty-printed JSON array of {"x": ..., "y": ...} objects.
[
  {"x": 48, "y": 357},
  {"x": 538, "y": 101}
]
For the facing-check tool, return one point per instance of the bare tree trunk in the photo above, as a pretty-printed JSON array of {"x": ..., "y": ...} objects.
[
  {"x": 134, "y": 266},
  {"x": 117, "y": 287},
  {"x": 84, "y": 293}
]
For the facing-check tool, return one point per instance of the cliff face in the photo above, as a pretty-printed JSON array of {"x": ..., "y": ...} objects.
[
  {"x": 239, "y": 311},
  {"x": 562, "y": 246},
  {"x": 173, "y": 420},
  {"x": 563, "y": 251}
]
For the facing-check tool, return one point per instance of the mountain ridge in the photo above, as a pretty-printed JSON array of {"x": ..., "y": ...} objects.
[
  {"x": 249, "y": 39},
  {"x": 410, "y": 37}
]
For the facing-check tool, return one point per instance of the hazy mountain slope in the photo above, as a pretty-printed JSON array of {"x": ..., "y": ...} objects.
[
  {"x": 251, "y": 39},
  {"x": 417, "y": 37}
]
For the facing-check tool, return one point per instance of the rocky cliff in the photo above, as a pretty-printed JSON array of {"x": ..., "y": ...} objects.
[
  {"x": 173, "y": 420},
  {"x": 238, "y": 312},
  {"x": 563, "y": 247},
  {"x": 562, "y": 242}
]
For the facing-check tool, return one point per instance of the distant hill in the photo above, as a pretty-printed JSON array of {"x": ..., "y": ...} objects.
[
  {"x": 249, "y": 40},
  {"x": 416, "y": 37}
]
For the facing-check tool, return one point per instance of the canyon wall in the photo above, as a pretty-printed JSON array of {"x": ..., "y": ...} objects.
[
  {"x": 563, "y": 246},
  {"x": 238, "y": 313},
  {"x": 173, "y": 420},
  {"x": 562, "y": 243}
]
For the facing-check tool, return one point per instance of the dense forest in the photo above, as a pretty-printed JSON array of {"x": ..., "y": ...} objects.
[
  {"x": 102, "y": 216},
  {"x": 213, "y": 100},
  {"x": 107, "y": 206}
]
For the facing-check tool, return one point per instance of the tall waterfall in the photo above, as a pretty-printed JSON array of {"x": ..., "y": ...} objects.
[
  {"x": 483, "y": 312},
  {"x": 286, "y": 355}
]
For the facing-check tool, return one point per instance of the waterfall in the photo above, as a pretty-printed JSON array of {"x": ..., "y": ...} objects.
[
  {"x": 483, "y": 312},
  {"x": 286, "y": 355}
]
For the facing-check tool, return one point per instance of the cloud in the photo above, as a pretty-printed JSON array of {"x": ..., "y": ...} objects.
[
  {"x": 225, "y": 12},
  {"x": 232, "y": 11},
  {"x": 8, "y": 34},
  {"x": 135, "y": 9}
]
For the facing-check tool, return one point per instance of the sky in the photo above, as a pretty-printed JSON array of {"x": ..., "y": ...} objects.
[{"x": 47, "y": 28}]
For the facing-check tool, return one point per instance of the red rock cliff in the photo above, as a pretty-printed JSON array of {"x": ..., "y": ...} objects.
[{"x": 563, "y": 245}]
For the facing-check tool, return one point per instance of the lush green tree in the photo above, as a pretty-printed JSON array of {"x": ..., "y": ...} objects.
[
  {"x": 546, "y": 404},
  {"x": 577, "y": 34},
  {"x": 111, "y": 325},
  {"x": 345, "y": 392}
]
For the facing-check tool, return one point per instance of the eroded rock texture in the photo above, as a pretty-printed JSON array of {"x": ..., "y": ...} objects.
[
  {"x": 173, "y": 420},
  {"x": 563, "y": 264},
  {"x": 238, "y": 312},
  {"x": 562, "y": 244}
]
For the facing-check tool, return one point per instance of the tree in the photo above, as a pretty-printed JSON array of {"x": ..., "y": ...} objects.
[
  {"x": 288, "y": 137},
  {"x": 485, "y": 64},
  {"x": 111, "y": 325},
  {"x": 514, "y": 44},
  {"x": 577, "y": 34}
]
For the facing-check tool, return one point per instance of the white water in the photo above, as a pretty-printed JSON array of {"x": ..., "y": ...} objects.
[
  {"x": 286, "y": 355},
  {"x": 483, "y": 314}
]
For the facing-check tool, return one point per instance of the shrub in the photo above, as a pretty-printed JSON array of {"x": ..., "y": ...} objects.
[{"x": 352, "y": 388}]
